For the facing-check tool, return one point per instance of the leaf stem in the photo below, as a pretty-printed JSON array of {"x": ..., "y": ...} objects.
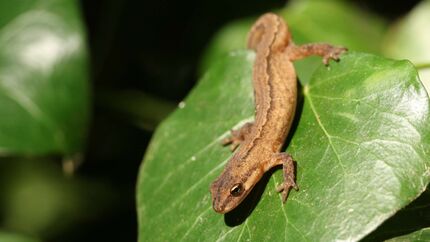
[{"x": 422, "y": 66}]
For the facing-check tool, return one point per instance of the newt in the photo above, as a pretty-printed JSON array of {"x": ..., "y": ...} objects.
[{"x": 275, "y": 95}]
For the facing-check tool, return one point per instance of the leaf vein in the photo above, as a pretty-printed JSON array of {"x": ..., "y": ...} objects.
[{"x": 314, "y": 111}]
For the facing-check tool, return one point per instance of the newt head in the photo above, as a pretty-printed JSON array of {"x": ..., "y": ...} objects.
[
  {"x": 227, "y": 194},
  {"x": 232, "y": 187}
]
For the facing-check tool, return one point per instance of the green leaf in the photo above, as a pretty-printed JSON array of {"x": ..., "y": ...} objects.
[
  {"x": 418, "y": 236},
  {"x": 360, "y": 142},
  {"x": 319, "y": 21},
  {"x": 44, "y": 96},
  {"x": 334, "y": 22},
  {"x": 37, "y": 199},
  {"x": 409, "y": 38},
  {"x": 11, "y": 237},
  {"x": 412, "y": 218}
]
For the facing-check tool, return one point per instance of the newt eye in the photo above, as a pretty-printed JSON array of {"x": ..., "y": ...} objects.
[{"x": 236, "y": 190}]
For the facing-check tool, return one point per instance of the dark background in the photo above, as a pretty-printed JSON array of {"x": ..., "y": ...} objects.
[{"x": 153, "y": 47}]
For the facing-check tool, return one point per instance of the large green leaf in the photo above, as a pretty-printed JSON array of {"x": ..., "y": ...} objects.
[
  {"x": 37, "y": 199},
  {"x": 361, "y": 145},
  {"x": 44, "y": 96}
]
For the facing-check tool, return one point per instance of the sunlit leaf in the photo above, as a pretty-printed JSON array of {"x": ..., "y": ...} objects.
[{"x": 360, "y": 142}]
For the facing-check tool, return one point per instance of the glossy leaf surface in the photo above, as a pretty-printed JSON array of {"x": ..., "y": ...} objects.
[{"x": 360, "y": 141}]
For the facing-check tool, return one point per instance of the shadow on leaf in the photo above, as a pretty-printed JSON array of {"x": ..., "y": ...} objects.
[{"x": 238, "y": 215}]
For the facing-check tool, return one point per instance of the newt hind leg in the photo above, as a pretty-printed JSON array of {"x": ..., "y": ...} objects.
[
  {"x": 288, "y": 172},
  {"x": 237, "y": 136}
]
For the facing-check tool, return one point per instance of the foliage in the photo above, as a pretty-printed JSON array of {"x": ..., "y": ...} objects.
[
  {"x": 44, "y": 96},
  {"x": 360, "y": 141}
]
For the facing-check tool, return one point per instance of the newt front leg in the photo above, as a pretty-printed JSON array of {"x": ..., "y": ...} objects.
[
  {"x": 237, "y": 136},
  {"x": 326, "y": 51}
]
